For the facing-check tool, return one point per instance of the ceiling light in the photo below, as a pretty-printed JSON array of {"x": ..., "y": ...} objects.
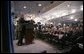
[
  {"x": 51, "y": 23},
  {"x": 52, "y": 16},
  {"x": 39, "y": 4},
  {"x": 73, "y": 11},
  {"x": 75, "y": 19},
  {"x": 68, "y": 5},
  {"x": 57, "y": 16},
  {"x": 46, "y": 16},
  {"x": 24, "y": 7},
  {"x": 71, "y": 17},
  {"x": 81, "y": 8},
  {"x": 63, "y": 14}
]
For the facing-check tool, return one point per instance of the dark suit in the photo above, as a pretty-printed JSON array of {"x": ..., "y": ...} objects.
[{"x": 21, "y": 30}]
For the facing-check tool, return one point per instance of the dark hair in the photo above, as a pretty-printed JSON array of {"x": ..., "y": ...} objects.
[
  {"x": 15, "y": 16},
  {"x": 12, "y": 13}
]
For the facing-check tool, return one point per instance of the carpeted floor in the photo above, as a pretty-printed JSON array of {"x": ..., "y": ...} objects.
[{"x": 37, "y": 47}]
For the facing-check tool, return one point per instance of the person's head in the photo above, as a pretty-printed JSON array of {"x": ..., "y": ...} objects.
[
  {"x": 67, "y": 28},
  {"x": 16, "y": 17},
  {"x": 71, "y": 29},
  {"x": 77, "y": 28},
  {"x": 81, "y": 28},
  {"x": 22, "y": 16}
]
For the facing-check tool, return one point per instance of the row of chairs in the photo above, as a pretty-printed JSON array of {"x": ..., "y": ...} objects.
[{"x": 63, "y": 42}]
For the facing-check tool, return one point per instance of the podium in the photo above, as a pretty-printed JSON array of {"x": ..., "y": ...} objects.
[{"x": 29, "y": 33}]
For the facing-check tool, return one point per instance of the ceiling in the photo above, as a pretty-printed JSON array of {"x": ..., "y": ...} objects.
[
  {"x": 32, "y": 6},
  {"x": 63, "y": 10},
  {"x": 49, "y": 11},
  {"x": 66, "y": 19}
]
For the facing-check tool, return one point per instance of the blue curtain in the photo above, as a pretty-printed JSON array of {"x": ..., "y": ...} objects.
[{"x": 10, "y": 26}]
